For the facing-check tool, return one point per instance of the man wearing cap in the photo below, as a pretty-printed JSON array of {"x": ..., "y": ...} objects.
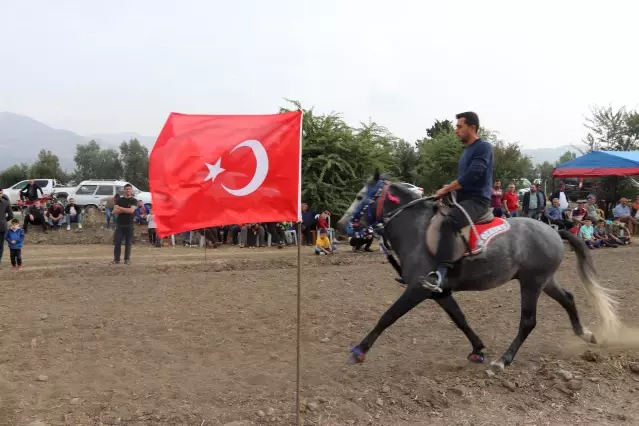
[{"x": 622, "y": 212}]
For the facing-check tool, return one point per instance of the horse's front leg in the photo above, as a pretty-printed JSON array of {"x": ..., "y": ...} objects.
[
  {"x": 450, "y": 306},
  {"x": 411, "y": 297}
]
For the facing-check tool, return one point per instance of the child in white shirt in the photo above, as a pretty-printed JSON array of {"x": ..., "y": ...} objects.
[{"x": 153, "y": 236}]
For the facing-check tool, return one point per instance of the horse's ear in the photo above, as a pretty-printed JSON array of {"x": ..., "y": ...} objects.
[{"x": 376, "y": 176}]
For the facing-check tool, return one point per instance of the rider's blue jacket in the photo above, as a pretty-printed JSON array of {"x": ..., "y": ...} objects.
[{"x": 476, "y": 171}]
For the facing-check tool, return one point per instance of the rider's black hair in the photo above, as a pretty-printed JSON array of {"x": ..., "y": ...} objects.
[{"x": 470, "y": 118}]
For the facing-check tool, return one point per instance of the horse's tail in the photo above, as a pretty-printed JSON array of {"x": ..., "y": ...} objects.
[{"x": 602, "y": 297}]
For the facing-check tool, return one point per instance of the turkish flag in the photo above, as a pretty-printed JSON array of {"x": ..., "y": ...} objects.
[{"x": 213, "y": 170}]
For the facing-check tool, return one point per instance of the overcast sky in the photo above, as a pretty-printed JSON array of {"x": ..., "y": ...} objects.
[{"x": 530, "y": 70}]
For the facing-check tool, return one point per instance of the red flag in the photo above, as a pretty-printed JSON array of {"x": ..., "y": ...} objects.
[{"x": 212, "y": 170}]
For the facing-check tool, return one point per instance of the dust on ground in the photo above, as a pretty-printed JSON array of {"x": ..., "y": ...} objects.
[{"x": 177, "y": 340}]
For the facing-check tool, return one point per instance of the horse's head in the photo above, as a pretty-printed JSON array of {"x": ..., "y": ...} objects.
[{"x": 378, "y": 197}]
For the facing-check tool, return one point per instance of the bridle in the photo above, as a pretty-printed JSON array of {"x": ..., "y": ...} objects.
[{"x": 377, "y": 196}]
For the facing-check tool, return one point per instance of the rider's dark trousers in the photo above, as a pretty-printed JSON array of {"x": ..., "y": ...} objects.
[{"x": 476, "y": 209}]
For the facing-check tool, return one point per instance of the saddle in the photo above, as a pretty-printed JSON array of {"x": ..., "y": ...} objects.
[{"x": 467, "y": 243}]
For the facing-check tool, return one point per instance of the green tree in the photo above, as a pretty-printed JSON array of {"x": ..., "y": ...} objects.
[
  {"x": 47, "y": 166},
  {"x": 565, "y": 157},
  {"x": 438, "y": 160},
  {"x": 14, "y": 174},
  {"x": 135, "y": 162},
  {"x": 440, "y": 128},
  {"x": 544, "y": 171},
  {"x": 612, "y": 130},
  {"x": 92, "y": 162},
  {"x": 405, "y": 159}
]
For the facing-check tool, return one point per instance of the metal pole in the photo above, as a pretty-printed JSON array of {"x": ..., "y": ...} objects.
[{"x": 299, "y": 314}]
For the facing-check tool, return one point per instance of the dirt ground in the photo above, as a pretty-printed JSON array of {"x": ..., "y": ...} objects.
[{"x": 177, "y": 340}]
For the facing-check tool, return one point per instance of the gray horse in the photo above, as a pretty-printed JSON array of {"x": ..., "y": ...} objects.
[{"x": 530, "y": 251}]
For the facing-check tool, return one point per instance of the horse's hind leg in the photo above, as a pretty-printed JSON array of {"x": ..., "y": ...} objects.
[
  {"x": 411, "y": 297},
  {"x": 450, "y": 306},
  {"x": 566, "y": 299},
  {"x": 530, "y": 290}
]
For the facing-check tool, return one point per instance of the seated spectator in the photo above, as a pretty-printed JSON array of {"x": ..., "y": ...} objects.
[
  {"x": 586, "y": 232},
  {"x": 211, "y": 236},
  {"x": 555, "y": 216},
  {"x": 322, "y": 220},
  {"x": 109, "y": 205},
  {"x": 580, "y": 212},
  {"x": 591, "y": 209},
  {"x": 55, "y": 216},
  {"x": 254, "y": 235},
  {"x": 603, "y": 235},
  {"x": 620, "y": 232},
  {"x": 141, "y": 214},
  {"x": 73, "y": 213},
  {"x": 323, "y": 245},
  {"x": 622, "y": 211},
  {"x": 362, "y": 239},
  {"x": 278, "y": 235},
  {"x": 35, "y": 215}
]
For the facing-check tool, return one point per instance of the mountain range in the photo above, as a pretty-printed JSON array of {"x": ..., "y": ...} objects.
[{"x": 22, "y": 137}]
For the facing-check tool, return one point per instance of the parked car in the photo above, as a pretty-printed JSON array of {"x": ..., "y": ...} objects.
[
  {"x": 48, "y": 186},
  {"x": 90, "y": 193}
]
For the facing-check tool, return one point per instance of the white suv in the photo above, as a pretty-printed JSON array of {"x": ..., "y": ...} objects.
[{"x": 90, "y": 193}]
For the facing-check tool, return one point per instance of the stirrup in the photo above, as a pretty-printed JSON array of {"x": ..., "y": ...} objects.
[{"x": 433, "y": 287}]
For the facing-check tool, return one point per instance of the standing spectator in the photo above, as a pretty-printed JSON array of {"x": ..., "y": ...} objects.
[
  {"x": 511, "y": 201},
  {"x": 30, "y": 192},
  {"x": 541, "y": 192},
  {"x": 533, "y": 203},
  {"x": 73, "y": 213},
  {"x": 497, "y": 199},
  {"x": 35, "y": 215},
  {"x": 6, "y": 214},
  {"x": 109, "y": 204},
  {"x": 55, "y": 215},
  {"x": 15, "y": 238},
  {"x": 308, "y": 224},
  {"x": 153, "y": 235},
  {"x": 141, "y": 213},
  {"x": 125, "y": 209},
  {"x": 560, "y": 194},
  {"x": 622, "y": 211}
]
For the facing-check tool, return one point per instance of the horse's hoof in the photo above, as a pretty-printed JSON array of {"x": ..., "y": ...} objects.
[
  {"x": 476, "y": 357},
  {"x": 588, "y": 336},
  {"x": 355, "y": 357},
  {"x": 497, "y": 366}
]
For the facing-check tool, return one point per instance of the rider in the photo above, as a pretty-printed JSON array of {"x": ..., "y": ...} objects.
[{"x": 473, "y": 190}]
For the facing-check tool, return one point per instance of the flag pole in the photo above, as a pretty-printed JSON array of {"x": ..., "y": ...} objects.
[{"x": 299, "y": 306}]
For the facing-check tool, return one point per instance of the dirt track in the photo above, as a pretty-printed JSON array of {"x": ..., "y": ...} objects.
[{"x": 172, "y": 340}]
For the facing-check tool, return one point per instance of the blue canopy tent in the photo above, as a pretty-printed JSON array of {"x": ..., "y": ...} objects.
[{"x": 600, "y": 163}]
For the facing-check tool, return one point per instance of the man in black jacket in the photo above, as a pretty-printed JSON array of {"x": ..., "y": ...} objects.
[
  {"x": 30, "y": 192},
  {"x": 533, "y": 203},
  {"x": 6, "y": 214},
  {"x": 34, "y": 215}
]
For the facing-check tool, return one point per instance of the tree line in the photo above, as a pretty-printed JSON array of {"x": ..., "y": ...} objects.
[
  {"x": 338, "y": 157},
  {"x": 130, "y": 162}
]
